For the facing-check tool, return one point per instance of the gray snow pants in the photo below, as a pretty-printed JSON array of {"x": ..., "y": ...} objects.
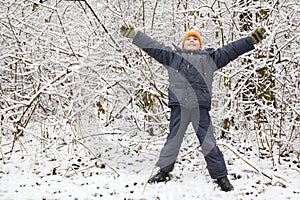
[{"x": 179, "y": 120}]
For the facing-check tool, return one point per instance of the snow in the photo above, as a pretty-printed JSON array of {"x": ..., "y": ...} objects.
[
  {"x": 57, "y": 62},
  {"x": 117, "y": 166}
]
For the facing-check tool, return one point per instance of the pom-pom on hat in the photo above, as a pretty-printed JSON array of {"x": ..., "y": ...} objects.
[{"x": 192, "y": 33}]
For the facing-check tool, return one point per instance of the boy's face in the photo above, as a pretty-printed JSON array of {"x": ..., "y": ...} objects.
[{"x": 191, "y": 43}]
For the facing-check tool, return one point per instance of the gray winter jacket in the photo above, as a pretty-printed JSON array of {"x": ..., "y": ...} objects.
[{"x": 191, "y": 72}]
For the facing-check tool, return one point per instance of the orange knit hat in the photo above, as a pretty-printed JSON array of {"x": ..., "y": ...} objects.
[{"x": 192, "y": 33}]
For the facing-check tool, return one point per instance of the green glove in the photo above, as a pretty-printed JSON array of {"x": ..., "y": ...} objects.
[
  {"x": 127, "y": 31},
  {"x": 258, "y": 35}
]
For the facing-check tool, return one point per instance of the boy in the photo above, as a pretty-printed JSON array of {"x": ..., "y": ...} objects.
[{"x": 190, "y": 71}]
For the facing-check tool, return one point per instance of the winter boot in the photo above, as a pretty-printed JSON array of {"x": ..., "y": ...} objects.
[
  {"x": 224, "y": 184},
  {"x": 161, "y": 176}
]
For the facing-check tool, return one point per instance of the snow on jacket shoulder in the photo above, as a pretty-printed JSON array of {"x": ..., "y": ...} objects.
[{"x": 191, "y": 72}]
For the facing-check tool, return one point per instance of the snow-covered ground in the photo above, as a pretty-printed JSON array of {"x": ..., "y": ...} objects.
[{"x": 117, "y": 166}]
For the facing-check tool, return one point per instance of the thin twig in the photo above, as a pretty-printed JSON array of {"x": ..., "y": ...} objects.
[
  {"x": 146, "y": 184},
  {"x": 257, "y": 169},
  {"x": 3, "y": 161},
  {"x": 103, "y": 26},
  {"x": 81, "y": 170},
  {"x": 90, "y": 151}
]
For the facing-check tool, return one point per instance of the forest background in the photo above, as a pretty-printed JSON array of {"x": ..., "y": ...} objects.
[{"x": 64, "y": 68}]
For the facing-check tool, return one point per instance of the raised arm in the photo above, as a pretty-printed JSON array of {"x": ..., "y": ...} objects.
[
  {"x": 222, "y": 56},
  {"x": 158, "y": 51}
]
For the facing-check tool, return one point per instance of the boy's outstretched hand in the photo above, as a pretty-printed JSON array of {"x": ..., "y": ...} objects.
[
  {"x": 258, "y": 35},
  {"x": 127, "y": 31}
]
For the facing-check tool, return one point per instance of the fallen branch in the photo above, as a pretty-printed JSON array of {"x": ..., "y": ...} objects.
[
  {"x": 81, "y": 170},
  {"x": 90, "y": 151},
  {"x": 257, "y": 169}
]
